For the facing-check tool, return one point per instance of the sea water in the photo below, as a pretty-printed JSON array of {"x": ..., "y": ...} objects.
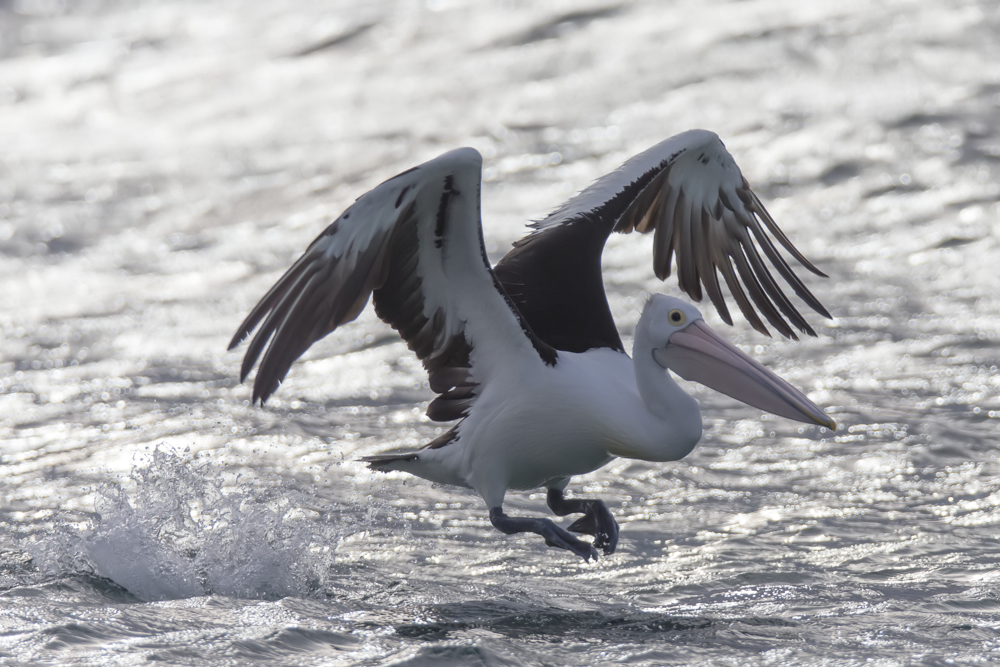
[{"x": 162, "y": 163}]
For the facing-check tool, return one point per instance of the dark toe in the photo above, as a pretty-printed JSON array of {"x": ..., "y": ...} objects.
[
  {"x": 564, "y": 540},
  {"x": 607, "y": 541},
  {"x": 600, "y": 523}
]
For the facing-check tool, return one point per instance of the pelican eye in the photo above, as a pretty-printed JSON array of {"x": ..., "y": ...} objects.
[{"x": 676, "y": 317}]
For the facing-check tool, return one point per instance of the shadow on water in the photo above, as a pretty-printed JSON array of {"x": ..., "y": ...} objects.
[{"x": 556, "y": 625}]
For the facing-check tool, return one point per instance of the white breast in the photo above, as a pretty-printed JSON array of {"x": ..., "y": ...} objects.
[{"x": 556, "y": 424}]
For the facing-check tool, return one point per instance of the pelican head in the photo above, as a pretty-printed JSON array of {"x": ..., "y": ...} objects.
[{"x": 683, "y": 343}]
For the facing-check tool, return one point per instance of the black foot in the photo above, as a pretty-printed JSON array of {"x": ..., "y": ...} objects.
[
  {"x": 553, "y": 534},
  {"x": 596, "y": 520}
]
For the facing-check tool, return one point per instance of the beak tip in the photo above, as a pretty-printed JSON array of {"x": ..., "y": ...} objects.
[{"x": 829, "y": 423}]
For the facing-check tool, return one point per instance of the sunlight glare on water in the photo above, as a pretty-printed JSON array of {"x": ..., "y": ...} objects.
[{"x": 163, "y": 163}]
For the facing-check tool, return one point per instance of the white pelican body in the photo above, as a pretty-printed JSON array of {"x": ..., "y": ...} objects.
[
  {"x": 516, "y": 443},
  {"x": 525, "y": 356}
]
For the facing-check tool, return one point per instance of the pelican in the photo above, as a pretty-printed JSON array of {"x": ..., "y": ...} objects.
[{"x": 525, "y": 356}]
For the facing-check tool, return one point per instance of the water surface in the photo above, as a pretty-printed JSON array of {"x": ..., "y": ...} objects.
[{"x": 163, "y": 163}]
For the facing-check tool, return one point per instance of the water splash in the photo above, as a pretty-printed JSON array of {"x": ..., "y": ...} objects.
[{"x": 178, "y": 529}]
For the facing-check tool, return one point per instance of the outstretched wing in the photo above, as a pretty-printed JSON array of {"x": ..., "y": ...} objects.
[
  {"x": 416, "y": 242},
  {"x": 689, "y": 192}
]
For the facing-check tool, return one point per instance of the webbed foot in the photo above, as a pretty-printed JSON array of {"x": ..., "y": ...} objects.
[
  {"x": 553, "y": 534},
  {"x": 597, "y": 519}
]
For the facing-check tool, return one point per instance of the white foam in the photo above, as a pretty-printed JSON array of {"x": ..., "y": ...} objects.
[{"x": 176, "y": 529}]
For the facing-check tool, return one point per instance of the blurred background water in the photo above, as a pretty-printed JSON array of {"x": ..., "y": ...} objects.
[{"x": 162, "y": 162}]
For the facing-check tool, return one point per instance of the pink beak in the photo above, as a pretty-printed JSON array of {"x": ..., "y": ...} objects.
[{"x": 697, "y": 353}]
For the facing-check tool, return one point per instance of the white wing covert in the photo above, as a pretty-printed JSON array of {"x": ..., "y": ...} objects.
[{"x": 414, "y": 241}]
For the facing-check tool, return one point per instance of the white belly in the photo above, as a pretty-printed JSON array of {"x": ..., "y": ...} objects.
[
  {"x": 569, "y": 420},
  {"x": 558, "y": 427}
]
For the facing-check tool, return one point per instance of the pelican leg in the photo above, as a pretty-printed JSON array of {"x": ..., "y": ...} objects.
[
  {"x": 553, "y": 534},
  {"x": 596, "y": 520}
]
